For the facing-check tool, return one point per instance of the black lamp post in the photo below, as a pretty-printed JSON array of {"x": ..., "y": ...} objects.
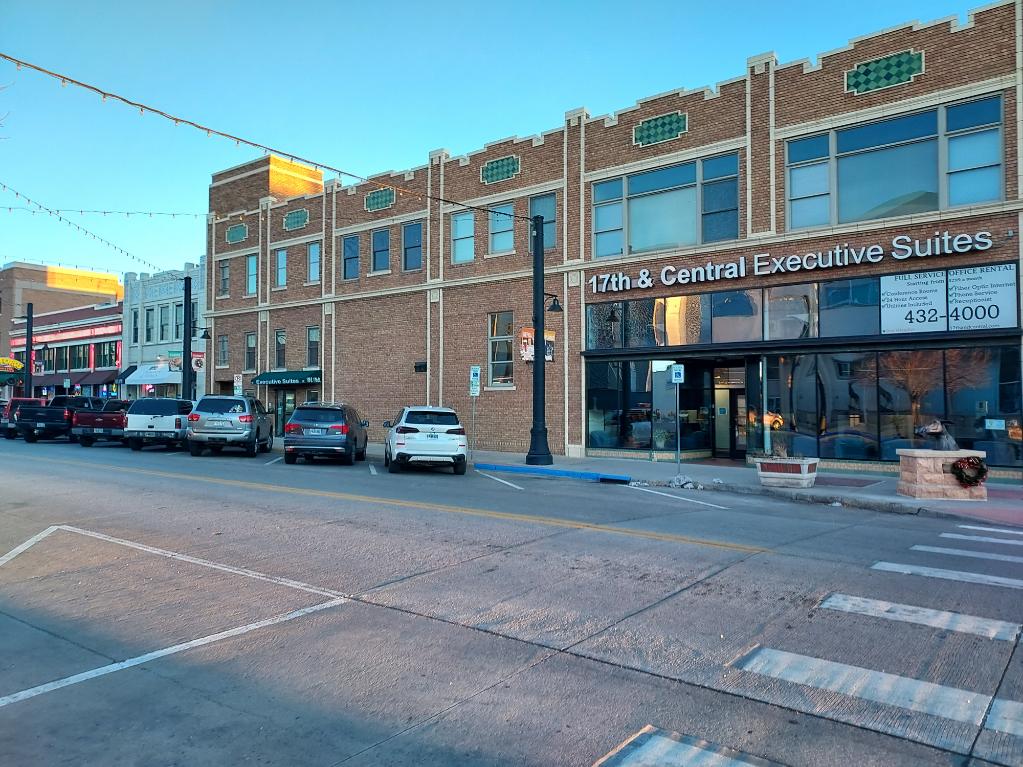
[
  {"x": 27, "y": 370},
  {"x": 539, "y": 449}
]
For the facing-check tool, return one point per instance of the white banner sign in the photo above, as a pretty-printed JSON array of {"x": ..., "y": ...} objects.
[
  {"x": 913, "y": 303},
  {"x": 982, "y": 297}
]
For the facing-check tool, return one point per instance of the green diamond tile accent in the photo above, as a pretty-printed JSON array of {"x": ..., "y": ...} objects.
[
  {"x": 885, "y": 72},
  {"x": 380, "y": 199},
  {"x": 237, "y": 233},
  {"x": 501, "y": 169},
  {"x": 296, "y": 219},
  {"x": 661, "y": 128}
]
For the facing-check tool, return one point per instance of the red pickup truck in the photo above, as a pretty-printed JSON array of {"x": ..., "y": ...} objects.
[{"x": 106, "y": 424}]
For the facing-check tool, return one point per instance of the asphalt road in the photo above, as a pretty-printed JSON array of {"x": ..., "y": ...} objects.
[{"x": 160, "y": 609}]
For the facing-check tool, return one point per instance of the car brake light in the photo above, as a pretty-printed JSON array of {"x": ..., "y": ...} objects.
[
  {"x": 292, "y": 428},
  {"x": 459, "y": 430},
  {"x": 67, "y": 414},
  {"x": 245, "y": 418},
  {"x": 340, "y": 428},
  {"x": 406, "y": 430},
  {"x": 193, "y": 417}
]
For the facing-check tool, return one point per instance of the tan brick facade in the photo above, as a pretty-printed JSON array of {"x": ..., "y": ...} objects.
[{"x": 376, "y": 327}]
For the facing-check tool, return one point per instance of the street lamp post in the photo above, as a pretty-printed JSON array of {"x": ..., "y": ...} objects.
[
  {"x": 539, "y": 449},
  {"x": 186, "y": 344},
  {"x": 28, "y": 350}
]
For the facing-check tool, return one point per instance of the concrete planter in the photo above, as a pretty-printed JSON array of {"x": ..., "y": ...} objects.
[
  {"x": 928, "y": 474},
  {"x": 786, "y": 472}
]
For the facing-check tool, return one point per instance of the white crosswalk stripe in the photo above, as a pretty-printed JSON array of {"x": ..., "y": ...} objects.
[
  {"x": 940, "y": 619},
  {"x": 950, "y": 575},
  {"x": 982, "y": 539},
  {"x": 1003, "y": 530},
  {"x": 653, "y": 747},
  {"x": 968, "y": 553}
]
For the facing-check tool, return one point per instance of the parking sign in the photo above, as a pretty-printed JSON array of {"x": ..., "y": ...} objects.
[
  {"x": 474, "y": 381},
  {"x": 678, "y": 374}
]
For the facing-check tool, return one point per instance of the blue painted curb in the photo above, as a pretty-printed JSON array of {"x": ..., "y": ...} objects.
[{"x": 589, "y": 476}]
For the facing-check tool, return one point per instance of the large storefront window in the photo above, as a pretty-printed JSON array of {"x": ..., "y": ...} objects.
[
  {"x": 850, "y": 308},
  {"x": 736, "y": 316},
  {"x": 982, "y": 391},
  {"x": 791, "y": 312},
  {"x": 910, "y": 393},
  {"x": 848, "y": 405},
  {"x": 790, "y": 404}
]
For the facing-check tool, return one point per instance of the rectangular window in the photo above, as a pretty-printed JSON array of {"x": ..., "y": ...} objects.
[
  {"x": 546, "y": 205},
  {"x": 195, "y": 317},
  {"x": 381, "y": 250},
  {"x": 280, "y": 342},
  {"x": 250, "y": 275},
  {"x": 350, "y": 254},
  {"x": 848, "y": 405},
  {"x": 791, "y": 311},
  {"x": 282, "y": 268},
  {"x": 313, "y": 262},
  {"x": 250, "y": 351},
  {"x": 412, "y": 246},
  {"x": 502, "y": 236},
  {"x": 688, "y": 204},
  {"x": 224, "y": 278},
  {"x": 60, "y": 358},
  {"x": 850, "y": 308},
  {"x": 463, "y": 238},
  {"x": 312, "y": 337},
  {"x": 736, "y": 316},
  {"x": 150, "y": 313},
  {"x": 222, "y": 351},
  {"x": 79, "y": 357},
  {"x": 501, "y": 343},
  {"x": 932, "y": 160},
  {"x": 179, "y": 321},
  {"x": 134, "y": 326},
  {"x": 106, "y": 354},
  {"x": 164, "y": 323}
]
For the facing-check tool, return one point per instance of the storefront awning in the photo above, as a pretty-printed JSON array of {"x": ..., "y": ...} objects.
[
  {"x": 11, "y": 379},
  {"x": 153, "y": 374},
  {"x": 289, "y": 378},
  {"x": 125, "y": 373},
  {"x": 99, "y": 378}
]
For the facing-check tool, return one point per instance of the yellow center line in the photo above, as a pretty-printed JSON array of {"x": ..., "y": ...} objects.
[{"x": 444, "y": 508}]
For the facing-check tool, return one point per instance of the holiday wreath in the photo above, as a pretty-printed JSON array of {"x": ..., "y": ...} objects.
[{"x": 970, "y": 471}]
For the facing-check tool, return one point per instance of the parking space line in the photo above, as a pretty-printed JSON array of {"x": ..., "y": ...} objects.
[
  {"x": 981, "y": 539},
  {"x": 867, "y": 684},
  {"x": 990, "y": 529},
  {"x": 27, "y": 544},
  {"x": 372, "y": 468},
  {"x": 967, "y": 553},
  {"x": 653, "y": 746},
  {"x": 678, "y": 497},
  {"x": 498, "y": 479},
  {"x": 148, "y": 657},
  {"x": 988, "y": 628},
  {"x": 275, "y": 460},
  {"x": 949, "y": 575},
  {"x": 204, "y": 562}
]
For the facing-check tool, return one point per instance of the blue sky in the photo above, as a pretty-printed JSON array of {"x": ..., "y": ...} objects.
[{"x": 367, "y": 87}]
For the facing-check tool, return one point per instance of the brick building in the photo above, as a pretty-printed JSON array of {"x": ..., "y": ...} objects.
[{"x": 829, "y": 247}]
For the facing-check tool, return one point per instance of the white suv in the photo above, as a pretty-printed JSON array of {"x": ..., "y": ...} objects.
[{"x": 429, "y": 436}]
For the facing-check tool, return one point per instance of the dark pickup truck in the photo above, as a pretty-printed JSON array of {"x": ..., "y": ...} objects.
[
  {"x": 9, "y": 416},
  {"x": 107, "y": 424},
  {"x": 54, "y": 420}
]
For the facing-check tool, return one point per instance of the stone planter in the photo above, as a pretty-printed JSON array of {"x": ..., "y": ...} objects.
[
  {"x": 928, "y": 474},
  {"x": 786, "y": 472}
]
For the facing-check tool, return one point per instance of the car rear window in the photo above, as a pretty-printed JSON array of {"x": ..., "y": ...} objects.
[
  {"x": 113, "y": 405},
  {"x": 154, "y": 407},
  {"x": 431, "y": 418},
  {"x": 305, "y": 414},
  {"x": 220, "y": 405}
]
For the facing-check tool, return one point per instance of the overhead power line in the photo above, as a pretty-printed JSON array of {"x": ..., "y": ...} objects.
[
  {"x": 239, "y": 140},
  {"x": 126, "y": 213}
]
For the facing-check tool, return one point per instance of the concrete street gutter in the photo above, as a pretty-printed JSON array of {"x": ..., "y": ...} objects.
[{"x": 542, "y": 471}]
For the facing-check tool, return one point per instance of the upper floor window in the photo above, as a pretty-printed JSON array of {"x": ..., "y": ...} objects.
[
  {"x": 350, "y": 254},
  {"x": 250, "y": 351},
  {"x": 313, "y": 262},
  {"x": 106, "y": 354},
  {"x": 223, "y": 278},
  {"x": 381, "y": 250},
  {"x": 250, "y": 275},
  {"x": 412, "y": 246},
  {"x": 79, "y": 357},
  {"x": 280, "y": 346},
  {"x": 312, "y": 338},
  {"x": 501, "y": 348},
  {"x": 688, "y": 204},
  {"x": 546, "y": 205},
  {"x": 915, "y": 163},
  {"x": 150, "y": 313},
  {"x": 134, "y": 326},
  {"x": 164, "y": 323},
  {"x": 222, "y": 358},
  {"x": 282, "y": 268},
  {"x": 463, "y": 237},
  {"x": 502, "y": 235},
  {"x": 179, "y": 321}
]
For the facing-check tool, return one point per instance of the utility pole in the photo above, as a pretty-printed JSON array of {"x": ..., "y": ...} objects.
[
  {"x": 29, "y": 360},
  {"x": 539, "y": 450},
  {"x": 187, "y": 389}
]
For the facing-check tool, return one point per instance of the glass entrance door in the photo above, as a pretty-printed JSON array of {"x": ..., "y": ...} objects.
[
  {"x": 284, "y": 406},
  {"x": 739, "y": 423}
]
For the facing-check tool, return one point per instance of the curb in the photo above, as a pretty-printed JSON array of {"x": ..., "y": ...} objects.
[{"x": 586, "y": 476}]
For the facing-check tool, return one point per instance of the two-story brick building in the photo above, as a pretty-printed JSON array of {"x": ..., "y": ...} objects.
[{"x": 831, "y": 248}]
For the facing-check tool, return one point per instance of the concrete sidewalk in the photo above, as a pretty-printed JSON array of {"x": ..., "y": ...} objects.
[{"x": 860, "y": 490}]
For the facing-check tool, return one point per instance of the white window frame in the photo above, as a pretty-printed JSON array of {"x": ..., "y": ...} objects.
[
  {"x": 254, "y": 347},
  {"x": 500, "y": 215},
  {"x": 551, "y": 244},
  {"x": 309, "y": 261},
  {"x": 491, "y": 339},
  {"x": 309, "y": 363},
  {"x": 224, "y": 278},
  {"x": 281, "y": 267},
  {"x": 471, "y": 237},
  {"x": 404, "y": 247},
  {"x": 374, "y": 269},
  {"x": 223, "y": 351},
  {"x": 251, "y": 274}
]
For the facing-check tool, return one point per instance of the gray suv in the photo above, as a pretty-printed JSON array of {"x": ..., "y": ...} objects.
[
  {"x": 220, "y": 421},
  {"x": 325, "y": 429}
]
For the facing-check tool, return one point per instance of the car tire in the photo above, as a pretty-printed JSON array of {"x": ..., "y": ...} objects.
[
  {"x": 387, "y": 458},
  {"x": 86, "y": 441},
  {"x": 135, "y": 444},
  {"x": 252, "y": 450},
  {"x": 72, "y": 438},
  {"x": 30, "y": 437},
  {"x": 290, "y": 458},
  {"x": 459, "y": 467},
  {"x": 267, "y": 446},
  {"x": 360, "y": 455},
  {"x": 195, "y": 449},
  {"x": 10, "y": 434},
  {"x": 393, "y": 467},
  {"x": 347, "y": 459}
]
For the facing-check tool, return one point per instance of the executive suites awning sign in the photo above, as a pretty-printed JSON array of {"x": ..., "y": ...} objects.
[
  {"x": 902, "y": 247},
  {"x": 288, "y": 378}
]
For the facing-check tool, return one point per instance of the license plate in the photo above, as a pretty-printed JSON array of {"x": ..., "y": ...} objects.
[
  {"x": 433, "y": 436},
  {"x": 99, "y": 431},
  {"x": 40, "y": 425},
  {"x": 218, "y": 423},
  {"x": 314, "y": 432}
]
